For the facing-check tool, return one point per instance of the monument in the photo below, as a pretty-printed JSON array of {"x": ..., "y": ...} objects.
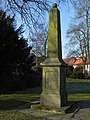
[{"x": 53, "y": 68}]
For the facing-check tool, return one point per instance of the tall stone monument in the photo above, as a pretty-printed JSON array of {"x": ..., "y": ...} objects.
[{"x": 53, "y": 68}]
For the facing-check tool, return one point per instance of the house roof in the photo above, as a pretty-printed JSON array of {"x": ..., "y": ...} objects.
[
  {"x": 78, "y": 61},
  {"x": 69, "y": 61},
  {"x": 74, "y": 61}
]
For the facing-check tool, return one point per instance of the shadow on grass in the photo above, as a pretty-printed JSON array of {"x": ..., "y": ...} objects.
[
  {"x": 17, "y": 101},
  {"x": 78, "y": 87},
  {"x": 78, "y": 95},
  {"x": 77, "y": 105},
  {"x": 84, "y": 104},
  {"x": 11, "y": 104},
  {"x": 33, "y": 90}
]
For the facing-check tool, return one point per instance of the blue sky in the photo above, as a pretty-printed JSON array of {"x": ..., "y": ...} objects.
[{"x": 66, "y": 14}]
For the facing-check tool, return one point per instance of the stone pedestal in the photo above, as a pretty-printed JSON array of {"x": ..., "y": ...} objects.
[
  {"x": 53, "y": 83},
  {"x": 53, "y": 68}
]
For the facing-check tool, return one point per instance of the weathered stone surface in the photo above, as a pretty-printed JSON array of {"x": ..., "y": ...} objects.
[
  {"x": 54, "y": 35},
  {"x": 54, "y": 5},
  {"x": 51, "y": 86},
  {"x": 54, "y": 69}
]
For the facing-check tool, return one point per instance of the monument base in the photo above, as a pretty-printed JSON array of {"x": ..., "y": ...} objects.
[
  {"x": 53, "y": 100},
  {"x": 53, "y": 83}
]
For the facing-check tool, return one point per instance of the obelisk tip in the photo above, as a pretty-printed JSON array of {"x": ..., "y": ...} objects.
[{"x": 54, "y": 5}]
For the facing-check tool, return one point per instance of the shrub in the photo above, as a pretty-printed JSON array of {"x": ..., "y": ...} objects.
[
  {"x": 69, "y": 71},
  {"x": 33, "y": 80},
  {"x": 12, "y": 83},
  {"x": 78, "y": 72},
  {"x": 15, "y": 84},
  {"x": 86, "y": 76}
]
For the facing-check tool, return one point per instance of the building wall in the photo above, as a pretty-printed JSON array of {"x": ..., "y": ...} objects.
[{"x": 87, "y": 68}]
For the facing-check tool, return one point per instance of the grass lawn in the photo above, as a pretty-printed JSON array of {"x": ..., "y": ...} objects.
[
  {"x": 16, "y": 115},
  {"x": 78, "y": 89},
  {"x": 11, "y": 101}
]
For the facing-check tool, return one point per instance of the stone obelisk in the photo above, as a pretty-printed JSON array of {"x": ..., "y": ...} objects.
[{"x": 53, "y": 68}]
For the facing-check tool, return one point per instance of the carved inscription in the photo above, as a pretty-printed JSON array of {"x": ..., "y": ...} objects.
[{"x": 51, "y": 79}]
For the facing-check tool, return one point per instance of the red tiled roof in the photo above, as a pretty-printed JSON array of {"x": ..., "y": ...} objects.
[
  {"x": 78, "y": 61},
  {"x": 70, "y": 61},
  {"x": 74, "y": 61}
]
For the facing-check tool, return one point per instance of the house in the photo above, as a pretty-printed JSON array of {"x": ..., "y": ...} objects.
[
  {"x": 69, "y": 61},
  {"x": 75, "y": 62}
]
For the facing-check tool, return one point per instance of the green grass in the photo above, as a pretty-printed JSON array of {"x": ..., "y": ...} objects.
[
  {"x": 79, "y": 97},
  {"x": 78, "y": 89},
  {"x": 14, "y": 100},
  {"x": 87, "y": 114},
  {"x": 17, "y": 115},
  {"x": 11, "y": 101},
  {"x": 77, "y": 80}
]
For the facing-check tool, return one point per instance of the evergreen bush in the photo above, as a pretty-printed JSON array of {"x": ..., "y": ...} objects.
[{"x": 78, "y": 72}]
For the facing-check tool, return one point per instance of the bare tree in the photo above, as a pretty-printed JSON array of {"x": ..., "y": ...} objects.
[
  {"x": 39, "y": 41},
  {"x": 30, "y": 11},
  {"x": 78, "y": 33}
]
